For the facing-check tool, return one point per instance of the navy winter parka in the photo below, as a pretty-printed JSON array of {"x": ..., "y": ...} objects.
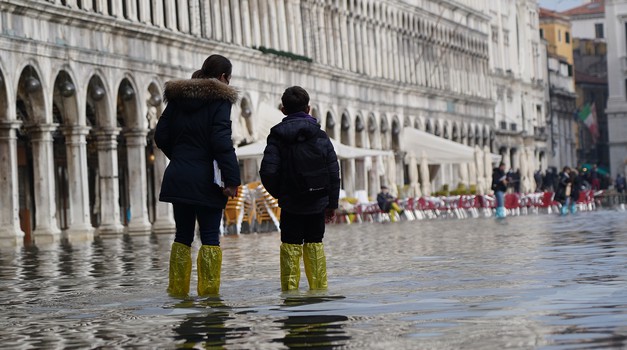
[
  {"x": 281, "y": 135},
  {"x": 193, "y": 131}
]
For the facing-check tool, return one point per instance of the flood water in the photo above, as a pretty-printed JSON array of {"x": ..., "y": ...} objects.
[{"x": 529, "y": 282}]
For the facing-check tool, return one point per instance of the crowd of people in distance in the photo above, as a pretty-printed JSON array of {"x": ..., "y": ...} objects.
[{"x": 591, "y": 179}]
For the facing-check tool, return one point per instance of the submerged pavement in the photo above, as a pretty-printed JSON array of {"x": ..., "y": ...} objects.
[{"x": 530, "y": 282}]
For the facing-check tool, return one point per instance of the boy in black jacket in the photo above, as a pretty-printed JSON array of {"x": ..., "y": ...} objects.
[{"x": 300, "y": 169}]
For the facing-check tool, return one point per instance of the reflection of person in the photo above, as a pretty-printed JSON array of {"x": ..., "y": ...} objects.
[
  {"x": 387, "y": 203},
  {"x": 193, "y": 132},
  {"x": 499, "y": 186},
  {"x": 300, "y": 169},
  {"x": 204, "y": 330}
]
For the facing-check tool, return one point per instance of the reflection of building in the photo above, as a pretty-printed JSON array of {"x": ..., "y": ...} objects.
[
  {"x": 80, "y": 87},
  {"x": 555, "y": 30},
  {"x": 519, "y": 67},
  {"x": 615, "y": 14}
]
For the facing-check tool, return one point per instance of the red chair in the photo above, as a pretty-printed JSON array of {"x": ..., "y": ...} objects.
[
  {"x": 512, "y": 203},
  {"x": 549, "y": 203}
]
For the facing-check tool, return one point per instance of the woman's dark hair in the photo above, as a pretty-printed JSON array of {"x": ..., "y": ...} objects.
[
  {"x": 295, "y": 99},
  {"x": 213, "y": 67}
]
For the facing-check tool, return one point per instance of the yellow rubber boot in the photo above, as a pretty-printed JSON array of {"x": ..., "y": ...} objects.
[
  {"x": 209, "y": 265},
  {"x": 290, "y": 266},
  {"x": 180, "y": 270},
  {"x": 315, "y": 265}
]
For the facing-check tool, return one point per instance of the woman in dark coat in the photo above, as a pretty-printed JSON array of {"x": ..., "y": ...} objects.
[
  {"x": 194, "y": 132},
  {"x": 576, "y": 182}
]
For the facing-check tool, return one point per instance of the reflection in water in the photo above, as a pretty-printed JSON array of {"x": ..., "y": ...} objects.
[
  {"x": 526, "y": 282},
  {"x": 207, "y": 330},
  {"x": 313, "y": 331}
]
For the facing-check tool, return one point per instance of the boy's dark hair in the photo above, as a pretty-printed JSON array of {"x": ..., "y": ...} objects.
[
  {"x": 295, "y": 99},
  {"x": 213, "y": 67}
]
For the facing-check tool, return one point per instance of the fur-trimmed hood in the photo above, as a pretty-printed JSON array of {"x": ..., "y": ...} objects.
[{"x": 199, "y": 89}]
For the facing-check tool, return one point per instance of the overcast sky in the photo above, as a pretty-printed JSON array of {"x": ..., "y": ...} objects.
[{"x": 560, "y": 5}]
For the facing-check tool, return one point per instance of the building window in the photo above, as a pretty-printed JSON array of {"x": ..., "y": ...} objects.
[
  {"x": 598, "y": 30},
  {"x": 559, "y": 35},
  {"x": 541, "y": 33},
  {"x": 567, "y": 37}
]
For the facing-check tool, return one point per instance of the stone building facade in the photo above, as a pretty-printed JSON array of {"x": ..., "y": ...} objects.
[
  {"x": 518, "y": 62},
  {"x": 616, "y": 24},
  {"x": 81, "y": 85}
]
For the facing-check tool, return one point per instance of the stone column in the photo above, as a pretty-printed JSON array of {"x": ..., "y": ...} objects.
[
  {"x": 227, "y": 34},
  {"x": 283, "y": 28},
  {"x": 274, "y": 25},
  {"x": 255, "y": 26},
  {"x": 236, "y": 18},
  {"x": 351, "y": 42},
  {"x": 143, "y": 10},
  {"x": 164, "y": 217},
  {"x": 296, "y": 23},
  {"x": 169, "y": 9},
  {"x": 102, "y": 8},
  {"x": 359, "y": 46},
  {"x": 247, "y": 39},
  {"x": 46, "y": 228},
  {"x": 10, "y": 231},
  {"x": 348, "y": 175},
  {"x": 157, "y": 12},
  {"x": 131, "y": 10},
  {"x": 322, "y": 36},
  {"x": 183, "y": 15},
  {"x": 109, "y": 187},
  {"x": 136, "y": 151},
  {"x": 345, "y": 40},
  {"x": 79, "y": 221},
  {"x": 116, "y": 9},
  {"x": 194, "y": 18},
  {"x": 216, "y": 19}
]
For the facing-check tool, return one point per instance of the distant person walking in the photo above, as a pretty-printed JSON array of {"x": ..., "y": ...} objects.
[
  {"x": 300, "y": 169},
  {"x": 499, "y": 186},
  {"x": 562, "y": 193},
  {"x": 193, "y": 132}
]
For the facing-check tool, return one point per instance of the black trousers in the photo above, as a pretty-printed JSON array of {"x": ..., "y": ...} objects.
[
  {"x": 186, "y": 215},
  {"x": 302, "y": 228}
]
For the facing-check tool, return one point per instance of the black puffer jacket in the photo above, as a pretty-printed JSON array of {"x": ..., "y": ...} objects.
[
  {"x": 280, "y": 136},
  {"x": 193, "y": 131}
]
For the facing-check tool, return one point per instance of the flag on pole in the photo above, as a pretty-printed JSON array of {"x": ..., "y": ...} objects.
[{"x": 588, "y": 115}]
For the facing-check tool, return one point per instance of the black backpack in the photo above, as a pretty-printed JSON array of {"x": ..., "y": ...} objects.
[{"x": 304, "y": 170}]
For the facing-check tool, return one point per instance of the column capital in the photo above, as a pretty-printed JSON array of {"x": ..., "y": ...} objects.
[
  {"x": 42, "y": 132},
  {"x": 10, "y": 124},
  {"x": 135, "y": 132},
  {"x": 107, "y": 132},
  {"x": 76, "y": 130},
  {"x": 136, "y": 137}
]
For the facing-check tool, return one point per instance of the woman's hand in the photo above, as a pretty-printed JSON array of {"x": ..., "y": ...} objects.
[{"x": 230, "y": 191}]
